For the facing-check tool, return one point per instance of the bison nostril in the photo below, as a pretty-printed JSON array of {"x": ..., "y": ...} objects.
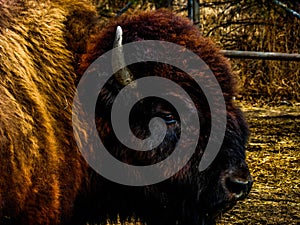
[{"x": 238, "y": 187}]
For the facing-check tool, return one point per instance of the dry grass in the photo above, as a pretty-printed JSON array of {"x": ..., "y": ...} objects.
[
  {"x": 258, "y": 26},
  {"x": 273, "y": 158}
]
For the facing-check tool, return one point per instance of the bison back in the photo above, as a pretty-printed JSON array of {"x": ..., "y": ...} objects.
[{"x": 41, "y": 169}]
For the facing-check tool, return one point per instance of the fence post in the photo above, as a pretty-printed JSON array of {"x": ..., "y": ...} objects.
[{"x": 194, "y": 11}]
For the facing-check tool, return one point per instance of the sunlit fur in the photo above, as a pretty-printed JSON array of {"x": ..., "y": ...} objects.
[{"x": 41, "y": 170}]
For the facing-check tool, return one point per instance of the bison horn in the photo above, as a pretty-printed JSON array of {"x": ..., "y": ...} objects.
[{"x": 123, "y": 76}]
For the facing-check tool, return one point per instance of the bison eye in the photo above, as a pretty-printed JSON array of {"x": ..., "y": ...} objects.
[{"x": 169, "y": 118}]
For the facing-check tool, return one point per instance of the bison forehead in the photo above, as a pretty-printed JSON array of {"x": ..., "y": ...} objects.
[{"x": 165, "y": 26}]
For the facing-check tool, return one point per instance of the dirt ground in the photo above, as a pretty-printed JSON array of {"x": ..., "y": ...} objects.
[{"x": 274, "y": 161}]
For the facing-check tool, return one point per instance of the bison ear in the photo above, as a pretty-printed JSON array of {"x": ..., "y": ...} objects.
[{"x": 123, "y": 76}]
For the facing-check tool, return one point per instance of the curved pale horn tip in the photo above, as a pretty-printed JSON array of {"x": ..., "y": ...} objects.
[{"x": 119, "y": 33}]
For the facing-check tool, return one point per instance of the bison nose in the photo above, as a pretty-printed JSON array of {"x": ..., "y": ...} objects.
[
  {"x": 237, "y": 181},
  {"x": 238, "y": 187}
]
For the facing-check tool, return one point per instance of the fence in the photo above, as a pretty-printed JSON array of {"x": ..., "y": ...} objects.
[{"x": 261, "y": 55}]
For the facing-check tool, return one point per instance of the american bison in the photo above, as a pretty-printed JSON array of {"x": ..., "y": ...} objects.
[
  {"x": 190, "y": 196},
  {"x": 45, "y": 47}
]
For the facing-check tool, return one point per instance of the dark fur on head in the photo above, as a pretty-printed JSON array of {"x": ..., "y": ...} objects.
[{"x": 189, "y": 197}]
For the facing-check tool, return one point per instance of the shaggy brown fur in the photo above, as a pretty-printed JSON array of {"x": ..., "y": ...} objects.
[
  {"x": 41, "y": 169},
  {"x": 165, "y": 26},
  {"x": 189, "y": 197},
  {"x": 43, "y": 177}
]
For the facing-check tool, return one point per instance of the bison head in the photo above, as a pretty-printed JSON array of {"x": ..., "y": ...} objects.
[{"x": 190, "y": 196}]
